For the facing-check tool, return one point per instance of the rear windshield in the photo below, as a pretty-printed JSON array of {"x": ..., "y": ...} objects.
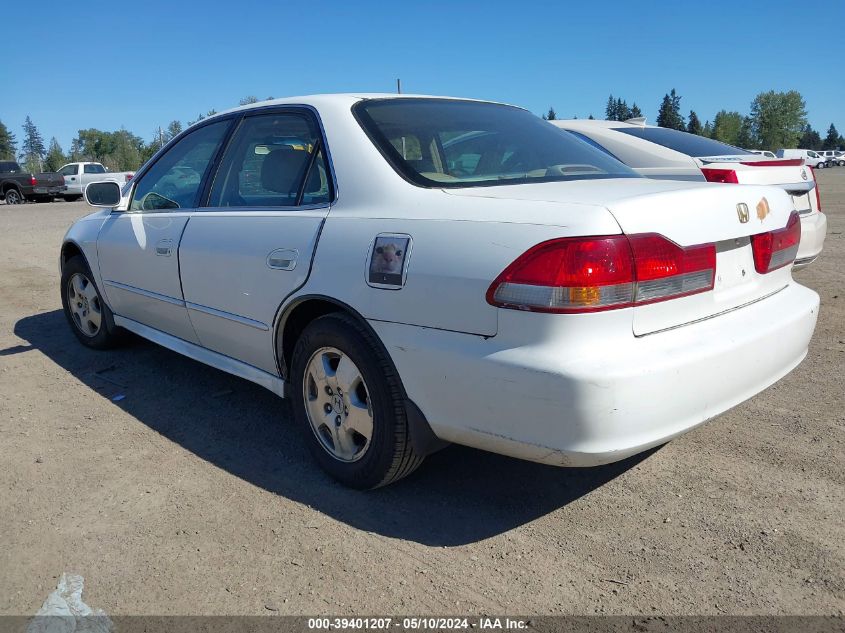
[
  {"x": 684, "y": 142},
  {"x": 448, "y": 143},
  {"x": 94, "y": 168}
]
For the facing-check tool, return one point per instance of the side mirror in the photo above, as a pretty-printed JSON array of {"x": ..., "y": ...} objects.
[{"x": 103, "y": 194}]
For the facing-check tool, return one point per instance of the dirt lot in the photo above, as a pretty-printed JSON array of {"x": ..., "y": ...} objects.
[{"x": 193, "y": 494}]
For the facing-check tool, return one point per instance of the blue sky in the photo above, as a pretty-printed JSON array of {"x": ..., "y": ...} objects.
[{"x": 140, "y": 65}]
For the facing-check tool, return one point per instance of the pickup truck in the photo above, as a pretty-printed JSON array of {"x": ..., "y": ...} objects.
[
  {"x": 78, "y": 175},
  {"x": 17, "y": 185}
]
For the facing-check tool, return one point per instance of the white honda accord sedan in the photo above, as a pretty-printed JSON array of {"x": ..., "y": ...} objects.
[{"x": 413, "y": 271}]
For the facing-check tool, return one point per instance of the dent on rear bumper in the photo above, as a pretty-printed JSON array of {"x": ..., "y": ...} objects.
[{"x": 597, "y": 399}]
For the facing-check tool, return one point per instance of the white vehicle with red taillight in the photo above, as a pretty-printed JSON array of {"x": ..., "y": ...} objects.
[
  {"x": 413, "y": 271},
  {"x": 662, "y": 153}
]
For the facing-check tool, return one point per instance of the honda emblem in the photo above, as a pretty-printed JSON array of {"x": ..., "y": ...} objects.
[{"x": 742, "y": 212}]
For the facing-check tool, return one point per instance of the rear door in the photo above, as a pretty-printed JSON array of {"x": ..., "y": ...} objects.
[
  {"x": 251, "y": 246},
  {"x": 138, "y": 248}
]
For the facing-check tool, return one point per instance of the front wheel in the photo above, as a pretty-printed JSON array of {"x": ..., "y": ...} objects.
[
  {"x": 71, "y": 198},
  {"x": 90, "y": 318},
  {"x": 348, "y": 401}
]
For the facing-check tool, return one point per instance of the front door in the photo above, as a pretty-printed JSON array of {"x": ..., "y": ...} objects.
[
  {"x": 252, "y": 246},
  {"x": 138, "y": 249}
]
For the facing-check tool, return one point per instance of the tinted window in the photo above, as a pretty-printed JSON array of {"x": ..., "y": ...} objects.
[
  {"x": 94, "y": 169},
  {"x": 446, "y": 143},
  {"x": 174, "y": 181},
  {"x": 683, "y": 142},
  {"x": 9, "y": 167},
  {"x": 69, "y": 170},
  {"x": 267, "y": 161}
]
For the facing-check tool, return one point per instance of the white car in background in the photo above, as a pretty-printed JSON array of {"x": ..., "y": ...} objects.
[
  {"x": 833, "y": 157},
  {"x": 666, "y": 154},
  {"x": 807, "y": 156},
  {"x": 412, "y": 271},
  {"x": 762, "y": 152},
  {"x": 78, "y": 175}
]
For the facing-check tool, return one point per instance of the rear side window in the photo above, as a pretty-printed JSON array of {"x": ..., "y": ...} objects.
[
  {"x": 273, "y": 160},
  {"x": 683, "y": 142},
  {"x": 94, "y": 169},
  {"x": 446, "y": 143},
  {"x": 9, "y": 166}
]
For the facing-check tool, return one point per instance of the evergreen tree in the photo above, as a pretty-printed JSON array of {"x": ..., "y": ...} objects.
[
  {"x": 591, "y": 117},
  {"x": 248, "y": 100},
  {"x": 623, "y": 112},
  {"x": 707, "y": 130},
  {"x": 32, "y": 148},
  {"x": 8, "y": 146},
  {"x": 669, "y": 114},
  {"x": 810, "y": 139},
  {"x": 55, "y": 156},
  {"x": 551, "y": 115},
  {"x": 610, "y": 109},
  {"x": 745, "y": 137},
  {"x": 635, "y": 111},
  {"x": 831, "y": 141},
  {"x": 694, "y": 125}
]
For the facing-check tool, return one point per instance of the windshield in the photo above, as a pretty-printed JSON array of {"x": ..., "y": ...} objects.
[
  {"x": 683, "y": 142},
  {"x": 450, "y": 143}
]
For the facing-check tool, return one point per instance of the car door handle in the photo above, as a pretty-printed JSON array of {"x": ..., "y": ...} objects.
[
  {"x": 164, "y": 248},
  {"x": 282, "y": 259}
]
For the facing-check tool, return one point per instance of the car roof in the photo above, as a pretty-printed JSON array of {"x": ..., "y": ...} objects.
[{"x": 349, "y": 98}]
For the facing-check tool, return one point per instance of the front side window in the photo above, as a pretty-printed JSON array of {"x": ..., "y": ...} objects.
[
  {"x": 94, "y": 168},
  {"x": 449, "y": 143},
  {"x": 683, "y": 142},
  {"x": 69, "y": 170},
  {"x": 174, "y": 181},
  {"x": 273, "y": 160}
]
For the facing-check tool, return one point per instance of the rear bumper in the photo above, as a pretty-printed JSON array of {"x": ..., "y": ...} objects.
[
  {"x": 813, "y": 232},
  {"x": 590, "y": 400}
]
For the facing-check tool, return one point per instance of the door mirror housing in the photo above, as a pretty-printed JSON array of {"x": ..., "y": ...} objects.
[{"x": 103, "y": 194}]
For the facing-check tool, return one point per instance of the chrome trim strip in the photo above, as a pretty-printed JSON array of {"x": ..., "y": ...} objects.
[
  {"x": 144, "y": 293},
  {"x": 228, "y": 316},
  {"x": 207, "y": 356}
]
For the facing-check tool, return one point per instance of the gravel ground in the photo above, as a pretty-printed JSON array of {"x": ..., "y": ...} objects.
[{"x": 193, "y": 494}]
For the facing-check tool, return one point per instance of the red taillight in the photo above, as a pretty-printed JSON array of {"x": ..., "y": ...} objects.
[
  {"x": 818, "y": 195},
  {"x": 33, "y": 181},
  {"x": 602, "y": 273},
  {"x": 720, "y": 175},
  {"x": 776, "y": 249},
  {"x": 129, "y": 177}
]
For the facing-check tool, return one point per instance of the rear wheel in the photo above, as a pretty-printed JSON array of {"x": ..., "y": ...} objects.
[
  {"x": 71, "y": 198},
  {"x": 820, "y": 166},
  {"x": 90, "y": 318},
  {"x": 13, "y": 196},
  {"x": 348, "y": 401}
]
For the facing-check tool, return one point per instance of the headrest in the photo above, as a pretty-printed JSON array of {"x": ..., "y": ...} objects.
[{"x": 282, "y": 169}]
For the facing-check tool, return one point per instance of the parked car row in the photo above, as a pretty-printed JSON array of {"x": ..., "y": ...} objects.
[
  {"x": 485, "y": 278},
  {"x": 814, "y": 159},
  {"x": 18, "y": 186}
]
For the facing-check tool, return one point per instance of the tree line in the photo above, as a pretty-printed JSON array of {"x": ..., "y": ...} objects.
[
  {"x": 775, "y": 120},
  {"x": 118, "y": 151}
]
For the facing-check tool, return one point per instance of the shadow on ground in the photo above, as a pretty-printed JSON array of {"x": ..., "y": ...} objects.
[{"x": 458, "y": 496}]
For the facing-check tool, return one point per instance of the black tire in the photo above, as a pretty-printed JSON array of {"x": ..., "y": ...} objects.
[
  {"x": 108, "y": 335},
  {"x": 389, "y": 455},
  {"x": 71, "y": 198},
  {"x": 13, "y": 196}
]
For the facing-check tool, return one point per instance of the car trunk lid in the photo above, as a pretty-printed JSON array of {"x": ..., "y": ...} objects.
[{"x": 725, "y": 215}]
